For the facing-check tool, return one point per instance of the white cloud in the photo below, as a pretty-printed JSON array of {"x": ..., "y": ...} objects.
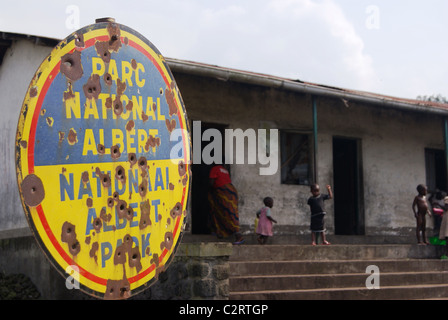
[{"x": 330, "y": 42}]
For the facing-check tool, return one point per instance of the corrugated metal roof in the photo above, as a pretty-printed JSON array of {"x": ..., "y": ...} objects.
[
  {"x": 229, "y": 74},
  {"x": 254, "y": 78}
]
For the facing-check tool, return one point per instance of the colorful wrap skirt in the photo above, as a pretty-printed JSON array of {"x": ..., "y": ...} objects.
[{"x": 224, "y": 210}]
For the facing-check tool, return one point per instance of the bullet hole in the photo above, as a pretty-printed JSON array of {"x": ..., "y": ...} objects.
[
  {"x": 120, "y": 174},
  {"x": 104, "y": 178},
  {"x": 114, "y": 36},
  {"x": 135, "y": 259},
  {"x": 32, "y": 190},
  {"x": 176, "y": 211},
  {"x": 170, "y": 125},
  {"x": 68, "y": 235},
  {"x": 129, "y": 105},
  {"x": 142, "y": 163},
  {"x": 117, "y": 289},
  {"x": 171, "y": 186},
  {"x": 107, "y": 79},
  {"x": 103, "y": 214},
  {"x": 129, "y": 213},
  {"x": 85, "y": 177},
  {"x": 182, "y": 168},
  {"x": 93, "y": 251},
  {"x": 89, "y": 202},
  {"x": 115, "y": 152},
  {"x": 116, "y": 196},
  {"x": 132, "y": 158},
  {"x": 71, "y": 66},
  {"x": 133, "y": 64},
  {"x": 97, "y": 224},
  {"x": 50, "y": 121},
  {"x": 101, "y": 148},
  {"x": 121, "y": 208},
  {"x": 145, "y": 209},
  {"x": 109, "y": 103},
  {"x": 185, "y": 180},
  {"x": 169, "y": 96},
  {"x": 144, "y": 116},
  {"x": 23, "y": 144},
  {"x": 152, "y": 142},
  {"x": 130, "y": 125},
  {"x": 155, "y": 259},
  {"x": 118, "y": 106},
  {"x": 33, "y": 92},
  {"x": 120, "y": 255},
  {"x": 110, "y": 202},
  {"x": 143, "y": 188},
  {"x": 102, "y": 49},
  {"x": 168, "y": 241},
  {"x": 69, "y": 93},
  {"x": 121, "y": 87},
  {"x": 79, "y": 40},
  {"x": 72, "y": 137},
  {"x": 92, "y": 88}
]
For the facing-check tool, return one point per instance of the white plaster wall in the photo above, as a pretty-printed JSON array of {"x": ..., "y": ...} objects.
[
  {"x": 393, "y": 157},
  {"x": 19, "y": 65},
  {"x": 392, "y": 143}
]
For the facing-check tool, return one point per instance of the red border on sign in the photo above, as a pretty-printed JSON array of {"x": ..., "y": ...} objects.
[{"x": 31, "y": 144}]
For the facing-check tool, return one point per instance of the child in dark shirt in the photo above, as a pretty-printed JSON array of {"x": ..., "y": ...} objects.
[{"x": 316, "y": 203}]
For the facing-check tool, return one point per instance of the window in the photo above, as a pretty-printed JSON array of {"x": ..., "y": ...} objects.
[{"x": 296, "y": 158}]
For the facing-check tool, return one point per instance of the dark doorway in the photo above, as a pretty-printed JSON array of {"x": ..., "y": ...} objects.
[
  {"x": 200, "y": 185},
  {"x": 436, "y": 174},
  {"x": 348, "y": 194}
]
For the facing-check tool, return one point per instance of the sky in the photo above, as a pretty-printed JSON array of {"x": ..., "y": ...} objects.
[{"x": 394, "y": 47}]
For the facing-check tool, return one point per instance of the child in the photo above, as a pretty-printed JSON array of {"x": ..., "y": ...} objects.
[
  {"x": 264, "y": 228},
  {"x": 420, "y": 208},
  {"x": 316, "y": 203}
]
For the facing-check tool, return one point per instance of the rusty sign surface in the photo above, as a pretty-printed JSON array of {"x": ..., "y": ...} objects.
[{"x": 103, "y": 182}]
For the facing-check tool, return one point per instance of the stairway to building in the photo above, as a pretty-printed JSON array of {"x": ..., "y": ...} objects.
[{"x": 338, "y": 272}]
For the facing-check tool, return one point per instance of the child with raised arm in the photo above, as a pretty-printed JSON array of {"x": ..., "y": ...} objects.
[
  {"x": 421, "y": 208},
  {"x": 316, "y": 203},
  {"x": 264, "y": 228}
]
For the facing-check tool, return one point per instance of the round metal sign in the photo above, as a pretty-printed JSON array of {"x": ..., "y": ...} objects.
[{"x": 102, "y": 153}]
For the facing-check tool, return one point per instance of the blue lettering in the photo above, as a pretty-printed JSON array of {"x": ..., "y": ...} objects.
[
  {"x": 156, "y": 203},
  {"x": 66, "y": 187},
  {"x": 84, "y": 189},
  {"x": 123, "y": 187},
  {"x": 134, "y": 222},
  {"x": 91, "y": 215},
  {"x": 105, "y": 256},
  {"x": 159, "y": 180},
  {"x": 133, "y": 181},
  {"x": 145, "y": 244},
  {"x": 119, "y": 225}
]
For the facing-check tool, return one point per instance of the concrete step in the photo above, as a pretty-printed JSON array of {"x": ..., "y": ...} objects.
[
  {"x": 325, "y": 281},
  {"x": 338, "y": 271},
  {"x": 335, "y": 252},
  {"x": 300, "y": 267},
  {"x": 412, "y": 292}
]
